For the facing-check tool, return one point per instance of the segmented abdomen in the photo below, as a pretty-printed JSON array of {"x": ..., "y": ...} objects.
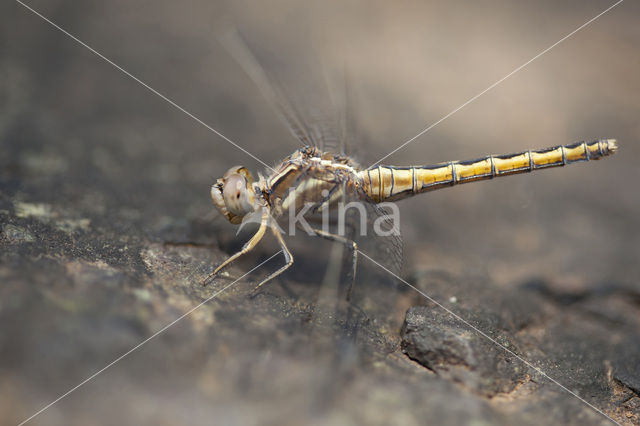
[{"x": 389, "y": 183}]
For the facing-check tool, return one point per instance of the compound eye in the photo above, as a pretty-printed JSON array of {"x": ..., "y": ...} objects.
[
  {"x": 235, "y": 187},
  {"x": 236, "y": 195}
]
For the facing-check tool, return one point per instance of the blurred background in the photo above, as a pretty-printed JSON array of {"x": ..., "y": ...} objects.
[{"x": 105, "y": 190}]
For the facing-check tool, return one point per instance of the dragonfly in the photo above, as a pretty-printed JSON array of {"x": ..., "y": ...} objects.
[{"x": 320, "y": 177}]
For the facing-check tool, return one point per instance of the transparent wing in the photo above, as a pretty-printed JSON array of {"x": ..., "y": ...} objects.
[
  {"x": 374, "y": 227},
  {"x": 381, "y": 239},
  {"x": 317, "y": 107},
  {"x": 299, "y": 89}
]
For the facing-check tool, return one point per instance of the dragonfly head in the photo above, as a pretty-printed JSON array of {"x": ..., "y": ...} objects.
[{"x": 233, "y": 194}]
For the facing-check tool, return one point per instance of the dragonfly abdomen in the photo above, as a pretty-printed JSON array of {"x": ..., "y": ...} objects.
[{"x": 389, "y": 183}]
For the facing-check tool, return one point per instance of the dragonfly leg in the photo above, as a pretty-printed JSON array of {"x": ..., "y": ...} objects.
[
  {"x": 249, "y": 245},
  {"x": 354, "y": 253},
  {"x": 287, "y": 257}
]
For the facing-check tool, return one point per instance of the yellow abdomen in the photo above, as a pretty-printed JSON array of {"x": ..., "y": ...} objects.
[{"x": 389, "y": 183}]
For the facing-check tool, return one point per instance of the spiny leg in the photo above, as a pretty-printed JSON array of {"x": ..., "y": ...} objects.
[
  {"x": 248, "y": 246},
  {"x": 354, "y": 256},
  {"x": 287, "y": 257}
]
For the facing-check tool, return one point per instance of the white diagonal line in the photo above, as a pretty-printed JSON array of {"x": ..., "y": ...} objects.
[
  {"x": 431, "y": 126},
  {"x": 162, "y": 330},
  {"x": 482, "y": 333},
  {"x": 151, "y": 89}
]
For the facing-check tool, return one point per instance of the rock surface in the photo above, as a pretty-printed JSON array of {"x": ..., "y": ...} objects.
[{"x": 106, "y": 232}]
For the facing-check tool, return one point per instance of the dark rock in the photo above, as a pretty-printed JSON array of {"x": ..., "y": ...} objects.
[
  {"x": 626, "y": 367},
  {"x": 451, "y": 349},
  {"x": 107, "y": 231}
]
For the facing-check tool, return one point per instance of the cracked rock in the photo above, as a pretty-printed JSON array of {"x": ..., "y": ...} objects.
[{"x": 444, "y": 345}]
